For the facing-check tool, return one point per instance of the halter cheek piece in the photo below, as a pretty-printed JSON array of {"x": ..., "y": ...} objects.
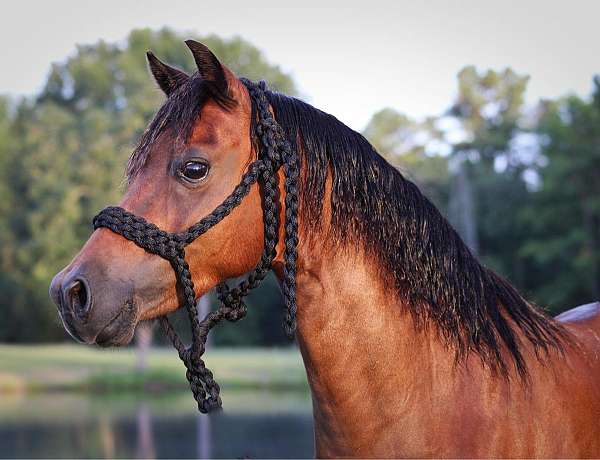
[{"x": 274, "y": 152}]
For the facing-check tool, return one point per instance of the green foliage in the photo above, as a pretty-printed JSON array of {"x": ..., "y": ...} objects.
[
  {"x": 68, "y": 366},
  {"x": 530, "y": 210},
  {"x": 564, "y": 218},
  {"x": 488, "y": 107},
  {"x": 403, "y": 143},
  {"x": 544, "y": 235}
]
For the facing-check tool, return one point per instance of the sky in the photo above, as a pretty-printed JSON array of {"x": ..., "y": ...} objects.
[{"x": 348, "y": 58}]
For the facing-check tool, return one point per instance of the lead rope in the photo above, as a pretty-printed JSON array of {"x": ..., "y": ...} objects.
[{"x": 274, "y": 152}]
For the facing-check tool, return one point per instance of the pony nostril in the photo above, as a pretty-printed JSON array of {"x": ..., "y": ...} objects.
[{"x": 77, "y": 297}]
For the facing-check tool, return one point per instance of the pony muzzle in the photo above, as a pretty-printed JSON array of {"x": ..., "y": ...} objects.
[{"x": 71, "y": 291}]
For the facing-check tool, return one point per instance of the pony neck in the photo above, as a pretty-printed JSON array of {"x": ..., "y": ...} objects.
[{"x": 366, "y": 364}]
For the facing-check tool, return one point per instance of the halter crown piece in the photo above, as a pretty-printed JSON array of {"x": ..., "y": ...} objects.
[{"x": 275, "y": 152}]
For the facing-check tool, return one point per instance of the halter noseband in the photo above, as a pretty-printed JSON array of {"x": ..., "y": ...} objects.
[{"x": 274, "y": 152}]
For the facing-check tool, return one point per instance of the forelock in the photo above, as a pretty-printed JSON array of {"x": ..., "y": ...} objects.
[{"x": 179, "y": 113}]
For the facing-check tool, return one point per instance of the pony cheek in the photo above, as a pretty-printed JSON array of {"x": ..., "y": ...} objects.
[
  {"x": 155, "y": 291},
  {"x": 163, "y": 303},
  {"x": 158, "y": 295}
]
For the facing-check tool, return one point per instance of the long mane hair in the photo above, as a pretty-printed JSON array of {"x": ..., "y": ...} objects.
[
  {"x": 443, "y": 284},
  {"x": 473, "y": 308}
]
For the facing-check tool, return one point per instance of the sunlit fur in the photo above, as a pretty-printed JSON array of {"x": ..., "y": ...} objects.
[{"x": 473, "y": 308}]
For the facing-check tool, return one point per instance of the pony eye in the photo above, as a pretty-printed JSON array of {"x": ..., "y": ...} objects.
[{"x": 195, "y": 170}]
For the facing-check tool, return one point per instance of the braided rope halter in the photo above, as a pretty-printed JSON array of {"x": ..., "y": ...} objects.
[{"x": 274, "y": 152}]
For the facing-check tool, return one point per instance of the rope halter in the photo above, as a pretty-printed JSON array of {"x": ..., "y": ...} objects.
[{"x": 275, "y": 152}]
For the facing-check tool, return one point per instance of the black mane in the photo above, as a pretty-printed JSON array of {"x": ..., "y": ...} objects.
[
  {"x": 473, "y": 308},
  {"x": 373, "y": 204}
]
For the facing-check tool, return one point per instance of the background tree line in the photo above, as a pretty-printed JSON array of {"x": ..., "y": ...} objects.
[{"x": 521, "y": 184}]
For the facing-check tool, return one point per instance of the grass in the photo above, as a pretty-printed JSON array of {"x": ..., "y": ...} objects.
[
  {"x": 53, "y": 407},
  {"x": 47, "y": 368}
]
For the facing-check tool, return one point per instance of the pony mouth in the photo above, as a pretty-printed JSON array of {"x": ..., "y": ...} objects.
[{"x": 120, "y": 330}]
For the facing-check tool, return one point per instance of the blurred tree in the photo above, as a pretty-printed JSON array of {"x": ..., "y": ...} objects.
[
  {"x": 406, "y": 144},
  {"x": 9, "y": 286},
  {"x": 564, "y": 218},
  {"x": 488, "y": 108},
  {"x": 62, "y": 158},
  {"x": 511, "y": 175},
  {"x": 488, "y": 185}
]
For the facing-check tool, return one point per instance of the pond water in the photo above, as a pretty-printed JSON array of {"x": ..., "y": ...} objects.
[{"x": 263, "y": 424}]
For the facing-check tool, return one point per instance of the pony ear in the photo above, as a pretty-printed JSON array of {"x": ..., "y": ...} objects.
[
  {"x": 168, "y": 78},
  {"x": 209, "y": 67}
]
